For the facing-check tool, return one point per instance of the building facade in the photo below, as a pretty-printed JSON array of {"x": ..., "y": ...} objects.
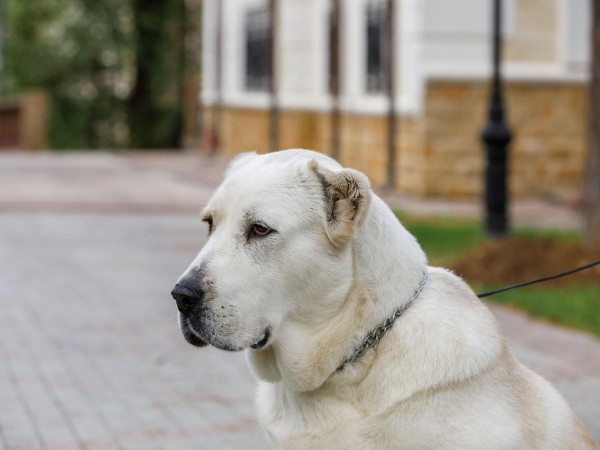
[{"x": 319, "y": 70}]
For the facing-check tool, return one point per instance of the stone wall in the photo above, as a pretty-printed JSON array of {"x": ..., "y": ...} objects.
[
  {"x": 363, "y": 145},
  {"x": 440, "y": 153},
  {"x": 363, "y": 140},
  {"x": 452, "y": 159},
  {"x": 244, "y": 130},
  {"x": 548, "y": 122},
  {"x": 305, "y": 129}
]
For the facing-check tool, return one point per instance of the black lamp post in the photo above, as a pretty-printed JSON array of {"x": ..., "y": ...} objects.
[{"x": 496, "y": 137}]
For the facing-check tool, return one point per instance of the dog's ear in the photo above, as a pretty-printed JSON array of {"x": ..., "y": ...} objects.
[{"x": 347, "y": 195}]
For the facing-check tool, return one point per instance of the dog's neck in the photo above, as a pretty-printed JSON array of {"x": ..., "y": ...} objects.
[
  {"x": 387, "y": 270},
  {"x": 390, "y": 266},
  {"x": 372, "y": 339}
]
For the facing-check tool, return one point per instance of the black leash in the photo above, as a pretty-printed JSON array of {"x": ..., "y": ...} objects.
[{"x": 539, "y": 280}]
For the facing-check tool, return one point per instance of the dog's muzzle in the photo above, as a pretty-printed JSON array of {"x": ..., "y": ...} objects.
[
  {"x": 188, "y": 295},
  {"x": 190, "y": 299},
  {"x": 189, "y": 334}
]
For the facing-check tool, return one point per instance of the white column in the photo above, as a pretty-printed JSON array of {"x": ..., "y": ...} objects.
[
  {"x": 320, "y": 14},
  {"x": 303, "y": 52},
  {"x": 353, "y": 50},
  {"x": 233, "y": 51},
  {"x": 209, "y": 30},
  {"x": 411, "y": 81}
]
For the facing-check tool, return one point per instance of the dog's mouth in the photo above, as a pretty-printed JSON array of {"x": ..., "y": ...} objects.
[
  {"x": 190, "y": 335},
  {"x": 262, "y": 341},
  {"x": 196, "y": 339}
]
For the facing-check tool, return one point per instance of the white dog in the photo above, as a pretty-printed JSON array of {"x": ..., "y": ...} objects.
[{"x": 357, "y": 343}]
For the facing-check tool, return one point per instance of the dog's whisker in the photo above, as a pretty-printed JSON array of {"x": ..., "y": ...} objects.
[{"x": 160, "y": 322}]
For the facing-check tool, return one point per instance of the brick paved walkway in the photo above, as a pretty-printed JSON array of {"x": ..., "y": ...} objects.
[{"x": 90, "y": 354}]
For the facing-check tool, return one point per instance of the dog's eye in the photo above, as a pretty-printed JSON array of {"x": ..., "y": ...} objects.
[{"x": 259, "y": 230}]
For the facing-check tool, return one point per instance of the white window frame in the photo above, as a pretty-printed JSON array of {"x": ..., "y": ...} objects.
[{"x": 408, "y": 82}]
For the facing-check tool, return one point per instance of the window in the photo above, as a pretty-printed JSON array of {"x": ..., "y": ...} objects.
[
  {"x": 258, "y": 51},
  {"x": 376, "y": 24}
]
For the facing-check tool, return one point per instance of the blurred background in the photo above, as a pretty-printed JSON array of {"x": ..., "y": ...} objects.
[
  {"x": 87, "y": 75},
  {"x": 118, "y": 117},
  {"x": 124, "y": 74}
]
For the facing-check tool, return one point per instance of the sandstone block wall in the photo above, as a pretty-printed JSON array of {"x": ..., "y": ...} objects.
[
  {"x": 546, "y": 155},
  {"x": 440, "y": 153}
]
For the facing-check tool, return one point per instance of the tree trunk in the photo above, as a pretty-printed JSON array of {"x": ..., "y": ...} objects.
[
  {"x": 592, "y": 176},
  {"x": 154, "y": 109},
  {"x": 192, "y": 47}
]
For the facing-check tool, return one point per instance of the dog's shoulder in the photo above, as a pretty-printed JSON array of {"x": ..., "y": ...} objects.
[
  {"x": 446, "y": 336},
  {"x": 448, "y": 300}
]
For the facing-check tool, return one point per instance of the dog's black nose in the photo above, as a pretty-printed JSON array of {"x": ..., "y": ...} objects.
[{"x": 187, "y": 294}]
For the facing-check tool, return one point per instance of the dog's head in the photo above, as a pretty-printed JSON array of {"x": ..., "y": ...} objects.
[{"x": 279, "y": 228}]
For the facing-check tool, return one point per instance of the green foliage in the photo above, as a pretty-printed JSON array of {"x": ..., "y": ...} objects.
[
  {"x": 111, "y": 68},
  {"x": 155, "y": 97},
  {"x": 80, "y": 51}
]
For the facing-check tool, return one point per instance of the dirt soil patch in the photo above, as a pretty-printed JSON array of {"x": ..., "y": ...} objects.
[{"x": 517, "y": 259}]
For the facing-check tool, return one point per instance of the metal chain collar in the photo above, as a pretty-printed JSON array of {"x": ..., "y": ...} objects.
[{"x": 375, "y": 336}]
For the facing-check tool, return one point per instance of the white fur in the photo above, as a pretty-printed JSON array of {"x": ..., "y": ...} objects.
[{"x": 337, "y": 266}]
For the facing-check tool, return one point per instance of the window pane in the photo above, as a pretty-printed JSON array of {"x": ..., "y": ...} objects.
[
  {"x": 376, "y": 76},
  {"x": 258, "y": 51}
]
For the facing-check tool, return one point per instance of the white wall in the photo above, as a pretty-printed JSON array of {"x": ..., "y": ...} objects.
[
  {"x": 441, "y": 39},
  {"x": 576, "y": 22},
  {"x": 456, "y": 36},
  {"x": 457, "y": 41}
]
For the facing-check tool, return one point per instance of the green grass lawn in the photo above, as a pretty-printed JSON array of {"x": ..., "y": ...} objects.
[
  {"x": 574, "y": 306},
  {"x": 444, "y": 239}
]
